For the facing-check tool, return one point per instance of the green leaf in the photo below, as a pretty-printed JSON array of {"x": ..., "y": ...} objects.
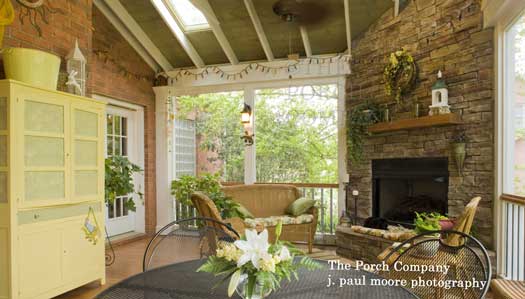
[
  {"x": 278, "y": 230},
  {"x": 234, "y": 282},
  {"x": 251, "y": 285}
]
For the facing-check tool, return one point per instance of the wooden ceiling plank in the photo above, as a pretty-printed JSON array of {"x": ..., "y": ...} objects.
[
  {"x": 205, "y": 7},
  {"x": 120, "y": 11},
  {"x": 178, "y": 32},
  {"x": 128, "y": 36},
  {"x": 306, "y": 41},
  {"x": 348, "y": 27},
  {"x": 259, "y": 29}
]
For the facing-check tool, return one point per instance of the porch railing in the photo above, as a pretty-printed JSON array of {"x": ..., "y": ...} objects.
[
  {"x": 326, "y": 195},
  {"x": 513, "y": 237}
]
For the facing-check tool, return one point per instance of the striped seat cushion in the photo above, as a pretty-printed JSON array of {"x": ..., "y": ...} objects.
[{"x": 508, "y": 289}]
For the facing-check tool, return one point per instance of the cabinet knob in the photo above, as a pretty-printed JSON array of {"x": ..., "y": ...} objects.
[{"x": 36, "y": 216}]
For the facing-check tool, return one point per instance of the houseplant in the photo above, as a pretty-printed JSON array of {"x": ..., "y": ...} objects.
[
  {"x": 254, "y": 266},
  {"x": 360, "y": 118},
  {"x": 427, "y": 222},
  {"x": 119, "y": 180},
  {"x": 459, "y": 150},
  {"x": 209, "y": 184}
]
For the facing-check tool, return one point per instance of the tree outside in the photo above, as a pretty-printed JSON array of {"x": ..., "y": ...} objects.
[{"x": 295, "y": 133}]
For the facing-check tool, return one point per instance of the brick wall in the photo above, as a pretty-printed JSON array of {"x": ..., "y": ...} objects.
[
  {"x": 79, "y": 19},
  {"x": 440, "y": 34},
  {"x": 108, "y": 79}
]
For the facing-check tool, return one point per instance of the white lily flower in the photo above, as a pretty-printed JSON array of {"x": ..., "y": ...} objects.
[
  {"x": 254, "y": 249},
  {"x": 284, "y": 254}
]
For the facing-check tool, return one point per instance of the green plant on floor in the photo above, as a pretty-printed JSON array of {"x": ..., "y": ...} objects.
[
  {"x": 119, "y": 180},
  {"x": 426, "y": 222},
  {"x": 209, "y": 184},
  {"x": 360, "y": 118}
]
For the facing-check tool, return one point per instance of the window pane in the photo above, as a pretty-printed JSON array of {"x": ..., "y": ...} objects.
[
  {"x": 189, "y": 15},
  {"x": 218, "y": 130},
  {"x": 296, "y": 134},
  {"x": 515, "y": 99}
]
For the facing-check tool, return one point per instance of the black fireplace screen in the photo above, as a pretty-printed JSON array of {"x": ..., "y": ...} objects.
[{"x": 402, "y": 187}]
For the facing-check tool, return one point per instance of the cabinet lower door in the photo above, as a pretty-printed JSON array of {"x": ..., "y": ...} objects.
[
  {"x": 83, "y": 261},
  {"x": 40, "y": 261}
]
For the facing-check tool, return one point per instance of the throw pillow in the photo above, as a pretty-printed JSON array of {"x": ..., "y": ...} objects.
[{"x": 300, "y": 206}]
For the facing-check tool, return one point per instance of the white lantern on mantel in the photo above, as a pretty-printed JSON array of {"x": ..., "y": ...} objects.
[
  {"x": 76, "y": 71},
  {"x": 439, "y": 97}
]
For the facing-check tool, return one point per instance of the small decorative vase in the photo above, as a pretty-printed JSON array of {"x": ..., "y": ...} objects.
[
  {"x": 460, "y": 152},
  {"x": 258, "y": 290}
]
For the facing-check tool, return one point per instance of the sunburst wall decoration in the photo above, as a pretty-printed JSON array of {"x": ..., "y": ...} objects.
[{"x": 36, "y": 11}]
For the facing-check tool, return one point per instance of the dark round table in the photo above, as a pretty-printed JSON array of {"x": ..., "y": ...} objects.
[{"x": 181, "y": 281}]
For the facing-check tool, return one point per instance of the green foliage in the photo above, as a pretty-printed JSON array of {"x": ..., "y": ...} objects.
[
  {"x": 519, "y": 134},
  {"x": 183, "y": 187},
  {"x": 359, "y": 119},
  {"x": 218, "y": 127},
  {"x": 119, "y": 180},
  {"x": 296, "y": 133},
  {"x": 426, "y": 222}
]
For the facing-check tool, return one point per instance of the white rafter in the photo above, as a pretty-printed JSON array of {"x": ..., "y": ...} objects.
[
  {"x": 128, "y": 35},
  {"x": 177, "y": 31},
  {"x": 205, "y": 7},
  {"x": 306, "y": 41},
  {"x": 348, "y": 27},
  {"x": 259, "y": 29},
  {"x": 130, "y": 23}
]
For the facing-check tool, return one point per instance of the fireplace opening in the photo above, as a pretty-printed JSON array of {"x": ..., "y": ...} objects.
[{"x": 401, "y": 187}]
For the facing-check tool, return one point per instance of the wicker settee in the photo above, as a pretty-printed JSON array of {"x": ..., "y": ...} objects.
[{"x": 267, "y": 203}]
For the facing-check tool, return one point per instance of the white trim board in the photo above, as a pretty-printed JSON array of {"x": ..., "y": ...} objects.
[
  {"x": 127, "y": 34},
  {"x": 301, "y": 70}
]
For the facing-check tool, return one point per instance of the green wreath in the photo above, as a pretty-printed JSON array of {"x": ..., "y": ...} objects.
[{"x": 399, "y": 74}]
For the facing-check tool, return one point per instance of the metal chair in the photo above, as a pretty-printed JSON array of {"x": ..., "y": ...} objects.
[
  {"x": 467, "y": 260},
  {"x": 185, "y": 240}
]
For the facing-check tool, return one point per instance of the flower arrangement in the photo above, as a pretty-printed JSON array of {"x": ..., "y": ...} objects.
[
  {"x": 399, "y": 74},
  {"x": 254, "y": 266}
]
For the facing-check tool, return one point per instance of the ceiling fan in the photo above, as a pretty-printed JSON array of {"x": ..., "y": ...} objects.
[{"x": 303, "y": 12}]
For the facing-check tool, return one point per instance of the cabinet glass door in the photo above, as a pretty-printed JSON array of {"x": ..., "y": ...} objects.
[
  {"x": 45, "y": 151},
  {"x": 86, "y": 153}
]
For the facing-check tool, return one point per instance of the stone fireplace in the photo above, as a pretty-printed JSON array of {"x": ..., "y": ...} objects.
[{"x": 402, "y": 187}]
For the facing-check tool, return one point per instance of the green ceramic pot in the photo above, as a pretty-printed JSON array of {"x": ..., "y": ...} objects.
[{"x": 33, "y": 67}]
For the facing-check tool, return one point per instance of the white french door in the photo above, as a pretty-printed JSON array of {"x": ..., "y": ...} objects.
[{"x": 123, "y": 139}]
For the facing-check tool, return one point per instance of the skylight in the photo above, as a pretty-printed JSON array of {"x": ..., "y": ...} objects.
[{"x": 187, "y": 14}]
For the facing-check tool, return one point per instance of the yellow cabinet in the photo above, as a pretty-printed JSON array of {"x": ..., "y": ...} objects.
[{"x": 51, "y": 180}]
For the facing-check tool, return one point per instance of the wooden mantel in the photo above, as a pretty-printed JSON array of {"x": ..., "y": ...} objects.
[{"x": 414, "y": 123}]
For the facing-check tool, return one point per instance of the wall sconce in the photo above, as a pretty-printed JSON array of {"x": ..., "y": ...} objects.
[{"x": 246, "y": 121}]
